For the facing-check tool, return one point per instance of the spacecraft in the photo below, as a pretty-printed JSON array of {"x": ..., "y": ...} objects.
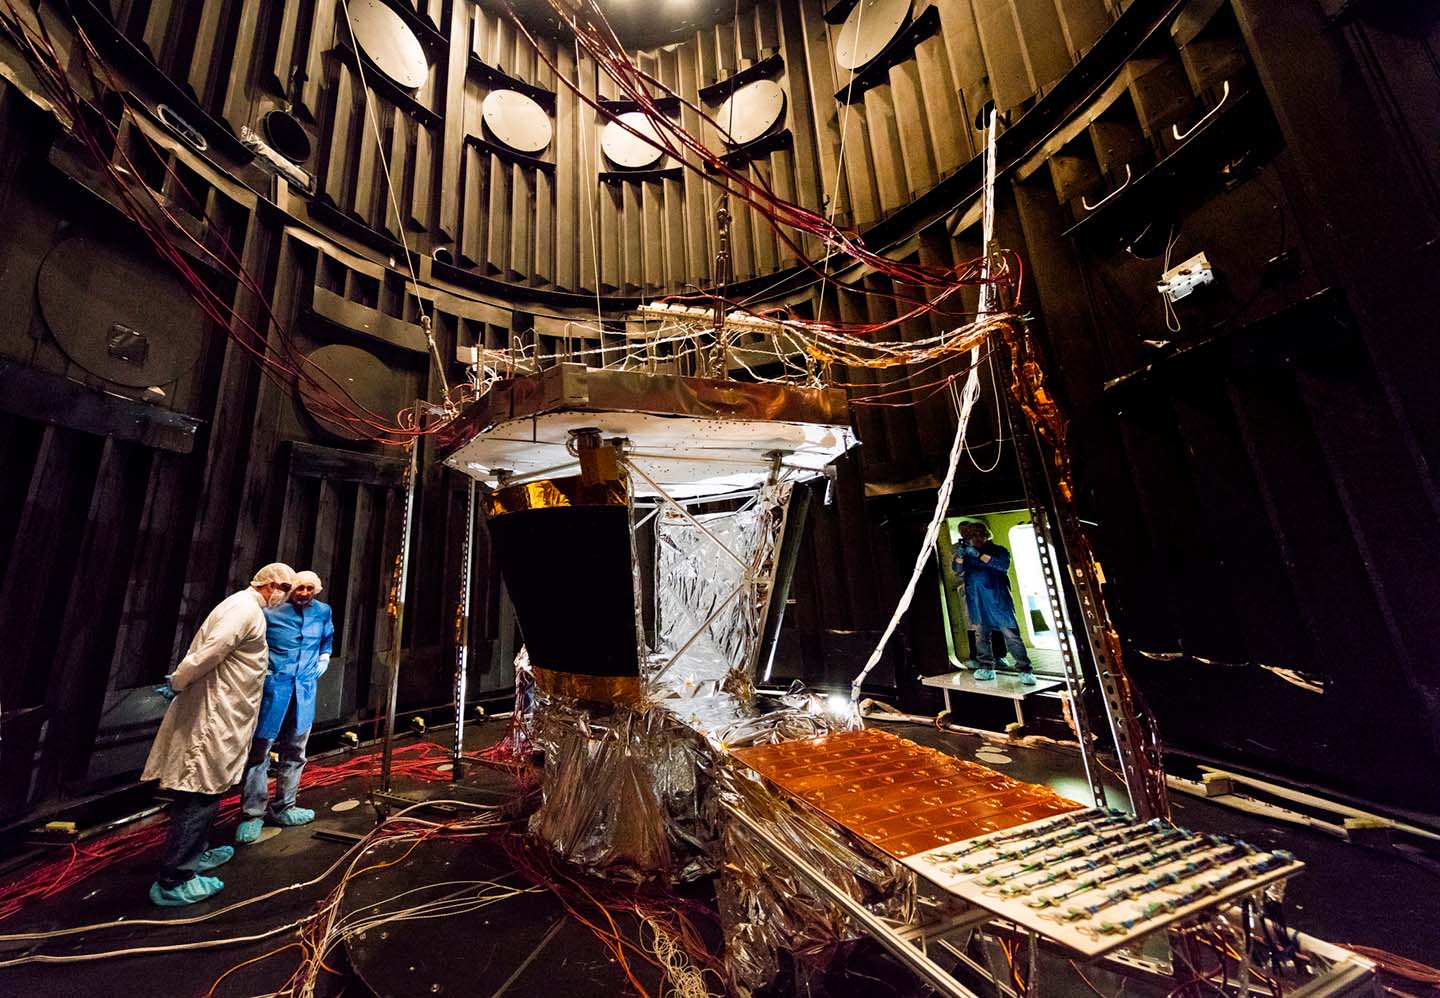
[{"x": 639, "y": 520}]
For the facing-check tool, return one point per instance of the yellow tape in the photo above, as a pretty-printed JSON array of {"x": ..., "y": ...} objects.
[{"x": 551, "y": 493}]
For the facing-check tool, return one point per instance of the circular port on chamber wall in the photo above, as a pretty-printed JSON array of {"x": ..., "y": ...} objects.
[
  {"x": 173, "y": 121},
  {"x": 443, "y": 255},
  {"x": 868, "y": 31},
  {"x": 631, "y": 142},
  {"x": 751, "y": 111},
  {"x": 286, "y": 135},
  {"x": 516, "y": 121},
  {"x": 389, "y": 43}
]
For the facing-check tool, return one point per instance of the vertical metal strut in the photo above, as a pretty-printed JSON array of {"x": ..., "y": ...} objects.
[
  {"x": 396, "y": 609},
  {"x": 1121, "y": 713},
  {"x": 462, "y": 630},
  {"x": 1074, "y": 675},
  {"x": 720, "y": 360}
]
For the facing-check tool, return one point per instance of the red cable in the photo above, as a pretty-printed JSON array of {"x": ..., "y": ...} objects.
[{"x": 56, "y": 876}]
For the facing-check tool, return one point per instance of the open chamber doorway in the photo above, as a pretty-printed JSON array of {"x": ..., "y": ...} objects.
[{"x": 1012, "y": 530}]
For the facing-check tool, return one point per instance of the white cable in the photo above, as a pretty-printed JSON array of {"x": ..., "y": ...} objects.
[
  {"x": 999, "y": 421},
  {"x": 139, "y": 950},
  {"x": 1172, "y": 320},
  {"x": 968, "y": 397},
  {"x": 942, "y": 505}
]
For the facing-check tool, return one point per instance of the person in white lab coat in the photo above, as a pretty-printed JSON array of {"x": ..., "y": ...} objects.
[{"x": 200, "y": 750}]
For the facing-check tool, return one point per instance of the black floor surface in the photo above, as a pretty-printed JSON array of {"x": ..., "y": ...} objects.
[{"x": 527, "y": 945}]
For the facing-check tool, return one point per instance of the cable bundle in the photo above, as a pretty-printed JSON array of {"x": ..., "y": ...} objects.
[
  {"x": 677, "y": 948},
  {"x": 854, "y": 344},
  {"x": 419, "y": 761}
]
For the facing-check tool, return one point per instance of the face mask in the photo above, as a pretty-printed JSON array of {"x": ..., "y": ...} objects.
[{"x": 276, "y": 598}]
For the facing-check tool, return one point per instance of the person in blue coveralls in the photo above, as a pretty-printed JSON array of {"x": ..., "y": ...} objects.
[
  {"x": 300, "y": 633},
  {"x": 985, "y": 567}
]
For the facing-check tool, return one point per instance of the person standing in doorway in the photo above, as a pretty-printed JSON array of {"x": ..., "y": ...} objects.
[
  {"x": 300, "y": 633},
  {"x": 985, "y": 567},
  {"x": 200, "y": 750}
]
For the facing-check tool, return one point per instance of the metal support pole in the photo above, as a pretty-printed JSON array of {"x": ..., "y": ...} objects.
[
  {"x": 720, "y": 360},
  {"x": 1032, "y": 976},
  {"x": 462, "y": 631},
  {"x": 398, "y": 581},
  {"x": 1121, "y": 711},
  {"x": 1074, "y": 677}
]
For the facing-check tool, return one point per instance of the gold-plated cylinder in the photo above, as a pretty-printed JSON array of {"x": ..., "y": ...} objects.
[{"x": 564, "y": 549}]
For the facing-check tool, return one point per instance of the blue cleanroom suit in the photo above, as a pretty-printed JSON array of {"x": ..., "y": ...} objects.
[
  {"x": 300, "y": 642},
  {"x": 988, "y": 602}
]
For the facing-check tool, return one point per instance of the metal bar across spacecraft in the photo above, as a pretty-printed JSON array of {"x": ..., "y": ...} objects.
[{"x": 744, "y": 567}]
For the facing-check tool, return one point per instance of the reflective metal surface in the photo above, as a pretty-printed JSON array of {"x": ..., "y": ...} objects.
[
  {"x": 365, "y": 377},
  {"x": 630, "y": 151},
  {"x": 902, "y": 797},
  {"x": 710, "y": 600},
  {"x": 573, "y": 386},
  {"x": 389, "y": 43},
  {"x": 116, "y": 314},
  {"x": 871, "y": 26},
  {"x": 517, "y": 121},
  {"x": 751, "y": 111},
  {"x": 621, "y": 790},
  {"x": 721, "y": 446}
]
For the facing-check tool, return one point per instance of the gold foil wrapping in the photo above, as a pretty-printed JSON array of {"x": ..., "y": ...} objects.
[
  {"x": 901, "y": 797},
  {"x": 552, "y": 493},
  {"x": 593, "y": 689}
]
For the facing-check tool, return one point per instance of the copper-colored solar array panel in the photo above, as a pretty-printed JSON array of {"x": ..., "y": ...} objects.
[{"x": 902, "y": 797}]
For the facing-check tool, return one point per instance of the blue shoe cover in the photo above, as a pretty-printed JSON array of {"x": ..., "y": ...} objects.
[
  {"x": 193, "y": 890},
  {"x": 211, "y": 858},
  {"x": 983, "y": 674},
  {"x": 249, "y": 831},
  {"x": 1027, "y": 679},
  {"x": 292, "y": 816}
]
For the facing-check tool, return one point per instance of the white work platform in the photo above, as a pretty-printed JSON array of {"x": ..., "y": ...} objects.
[{"x": 1005, "y": 685}]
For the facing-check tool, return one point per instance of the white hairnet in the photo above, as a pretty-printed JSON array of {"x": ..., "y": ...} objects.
[
  {"x": 276, "y": 571},
  {"x": 308, "y": 578}
]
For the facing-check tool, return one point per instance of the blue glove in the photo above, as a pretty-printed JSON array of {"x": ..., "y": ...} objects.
[
  {"x": 969, "y": 551},
  {"x": 167, "y": 691}
]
